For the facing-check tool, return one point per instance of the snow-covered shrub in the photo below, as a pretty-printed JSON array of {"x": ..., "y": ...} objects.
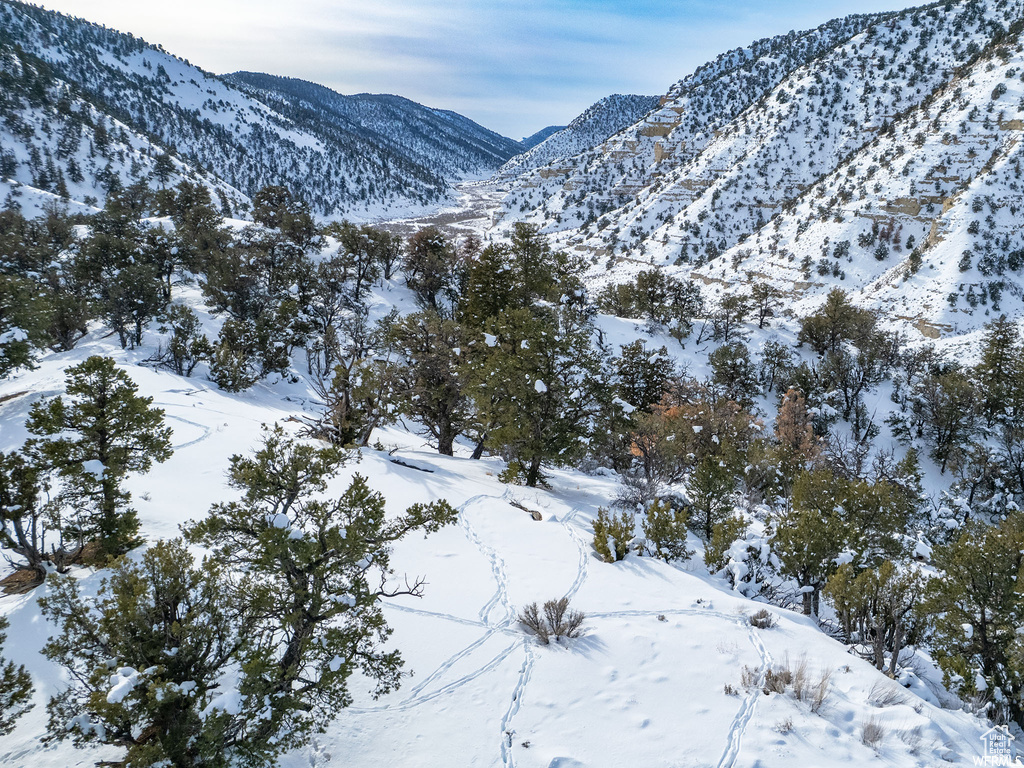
[
  {"x": 763, "y": 619},
  {"x": 613, "y": 535},
  {"x": 665, "y": 529}
]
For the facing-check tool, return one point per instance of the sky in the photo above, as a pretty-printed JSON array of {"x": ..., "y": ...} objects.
[{"x": 514, "y": 66}]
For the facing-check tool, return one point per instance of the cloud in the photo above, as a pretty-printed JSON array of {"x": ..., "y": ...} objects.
[{"x": 512, "y": 66}]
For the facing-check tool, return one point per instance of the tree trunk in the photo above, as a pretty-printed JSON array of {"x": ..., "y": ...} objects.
[
  {"x": 478, "y": 452},
  {"x": 533, "y": 473},
  {"x": 446, "y": 440}
]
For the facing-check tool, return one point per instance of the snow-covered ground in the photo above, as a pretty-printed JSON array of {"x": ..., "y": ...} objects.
[{"x": 656, "y": 680}]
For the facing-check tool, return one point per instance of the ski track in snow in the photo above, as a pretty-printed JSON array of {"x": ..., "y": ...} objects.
[{"x": 206, "y": 430}]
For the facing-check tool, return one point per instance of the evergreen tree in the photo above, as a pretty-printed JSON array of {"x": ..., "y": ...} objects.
[
  {"x": 275, "y": 207},
  {"x": 976, "y": 609},
  {"x": 533, "y": 380},
  {"x": 428, "y": 267},
  {"x": 317, "y": 570},
  {"x": 710, "y": 487},
  {"x": 15, "y": 687},
  {"x": 809, "y": 537},
  {"x": 428, "y": 384},
  {"x": 643, "y": 376},
  {"x": 665, "y": 529},
  {"x": 151, "y": 660},
  {"x": 1000, "y": 372},
  {"x": 836, "y": 322},
  {"x": 875, "y": 607},
  {"x": 944, "y": 406},
  {"x": 23, "y": 320},
  {"x": 734, "y": 373},
  {"x": 94, "y": 438},
  {"x": 24, "y": 519}
]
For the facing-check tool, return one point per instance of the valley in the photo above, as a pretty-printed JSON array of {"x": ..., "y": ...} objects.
[{"x": 342, "y": 430}]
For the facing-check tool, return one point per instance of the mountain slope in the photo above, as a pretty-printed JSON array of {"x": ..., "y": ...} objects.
[
  {"x": 878, "y": 135},
  {"x": 57, "y": 147},
  {"x": 573, "y": 190},
  {"x": 534, "y": 139},
  {"x": 481, "y": 687},
  {"x": 601, "y": 120},
  {"x": 210, "y": 124},
  {"x": 445, "y": 142}
]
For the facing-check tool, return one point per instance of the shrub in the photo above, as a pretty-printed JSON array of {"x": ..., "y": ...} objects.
[
  {"x": 872, "y": 733},
  {"x": 557, "y": 620},
  {"x": 763, "y": 619},
  {"x": 723, "y": 535},
  {"x": 665, "y": 529},
  {"x": 885, "y": 694},
  {"x": 814, "y": 691},
  {"x": 613, "y": 535}
]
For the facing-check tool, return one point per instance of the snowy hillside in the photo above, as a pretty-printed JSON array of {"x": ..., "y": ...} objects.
[
  {"x": 903, "y": 127},
  {"x": 56, "y": 146},
  {"x": 669, "y": 671},
  {"x": 602, "y": 179},
  {"x": 448, "y": 144},
  {"x": 600, "y": 121},
  {"x": 212, "y": 125},
  {"x": 534, "y": 139}
]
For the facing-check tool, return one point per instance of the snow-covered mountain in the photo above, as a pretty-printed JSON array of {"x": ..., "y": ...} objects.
[
  {"x": 56, "y": 145},
  {"x": 531, "y": 141},
  {"x": 803, "y": 159},
  {"x": 601, "y": 120},
  {"x": 448, "y": 144},
  {"x": 209, "y": 124}
]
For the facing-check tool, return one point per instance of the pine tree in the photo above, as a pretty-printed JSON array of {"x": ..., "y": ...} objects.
[
  {"x": 876, "y": 605},
  {"x": 429, "y": 385},
  {"x": 836, "y": 322},
  {"x": 643, "y": 375},
  {"x": 428, "y": 267},
  {"x": 665, "y": 529},
  {"x": 945, "y": 406},
  {"x": 15, "y": 687},
  {"x": 317, "y": 570},
  {"x": 809, "y": 537},
  {"x": 976, "y": 609},
  {"x": 734, "y": 374},
  {"x": 93, "y": 439},
  {"x": 150, "y": 661},
  {"x": 710, "y": 488},
  {"x": 1000, "y": 372},
  {"x": 532, "y": 378}
]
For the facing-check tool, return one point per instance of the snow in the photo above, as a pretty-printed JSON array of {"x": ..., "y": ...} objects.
[
  {"x": 648, "y": 683},
  {"x": 94, "y": 467},
  {"x": 540, "y": 386},
  {"x": 278, "y": 520},
  {"x": 122, "y": 682},
  {"x": 228, "y": 701},
  {"x": 644, "y": 685}
]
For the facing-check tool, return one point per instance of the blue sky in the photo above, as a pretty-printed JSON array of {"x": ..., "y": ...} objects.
[{"x": 514, "y": 66}]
